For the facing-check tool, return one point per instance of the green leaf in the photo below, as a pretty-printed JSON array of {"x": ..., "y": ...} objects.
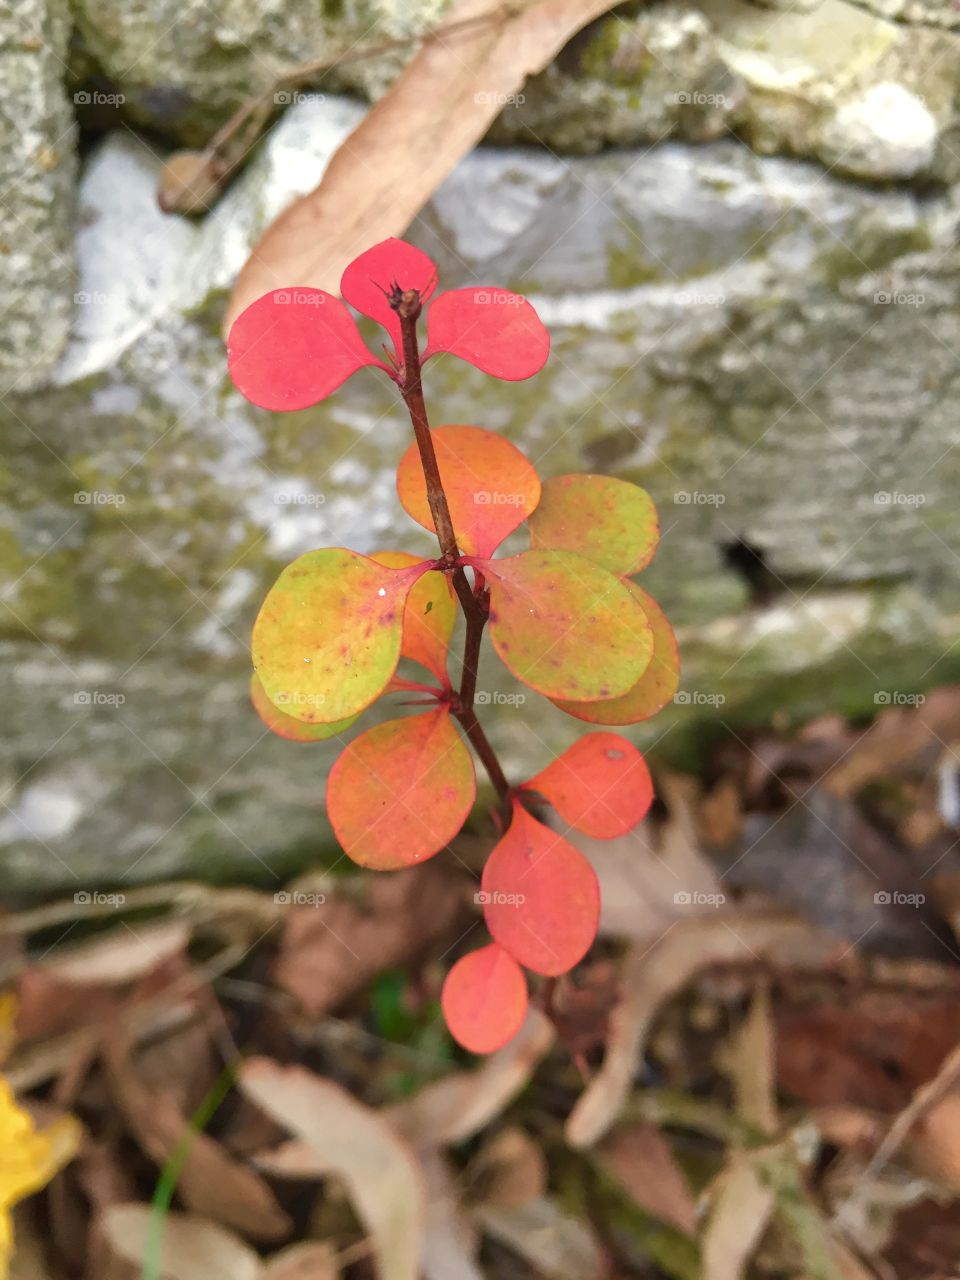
[
  {"x": 655, "y": 688},
  {"x": 327, "y": 639},
  {"x": 564, "y": 626},
  {"x": 288, "y": 727},
  {"x": 609, "y": 521}
]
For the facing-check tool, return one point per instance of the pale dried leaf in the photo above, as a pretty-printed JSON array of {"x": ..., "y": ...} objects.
[
  {"x": 211, "y": 1182},
  {"x": 434, "y": 114},
  {"x": 559, "y": 1246},
  {"x": 125, "y": 954},
  {"x": 750, "y": 1062},
  {"x": 639, "y": 1157},
  {"x": 510, "y": 1170},
  {"x": 652, "y": 974},
  {"x": 191, "y": 1248},
  {"x": 450, "y": 1243},
  {"x": 313, "y": 1260},
  {"x": 741, "y": 1206},
  {"x": 460, "y": 1105},
  {"x": 382, "y": 1174}
]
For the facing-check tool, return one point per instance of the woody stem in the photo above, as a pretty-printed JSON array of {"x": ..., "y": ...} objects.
[{"x": 407, "y": 304}]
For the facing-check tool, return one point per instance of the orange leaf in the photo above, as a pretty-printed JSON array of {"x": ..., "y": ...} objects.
[
  {"x": 541, "y": 900},
  {"x": 491, "y": 488},
  {"x": 611, "y": 522},
  {"x": 401, "y": 791},
  {"x": 286, "y": 726},
  {"x": 566, "y": 627},
  {"x": 485, "y": 999},
  {"x": 428, "y": 616},
  {"x": 655, "y": 688},
  {"x": 601, "y": 785},
  {"x": 327, "y": 638}
]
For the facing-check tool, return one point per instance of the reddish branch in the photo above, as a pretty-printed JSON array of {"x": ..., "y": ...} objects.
[{"x": 473, "y": 601}]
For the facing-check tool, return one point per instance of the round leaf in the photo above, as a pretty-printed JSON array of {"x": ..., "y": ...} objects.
[
  {"x": 368, "y": 279},
  {"x": 497, "y": 331},
  {"x": 327, "y": 638},
  {"x": 485, "y": 999},
  {"x": 601, "y": 785},
  {"x": 491, "y": 488},
  {"x": 401, "y": 791},
  {"x": 655, "y": 688},
  {"x": 564, "y": 626},
  {"x": 293, "y": 347},
  {"x": 541, "y": 900},
  {"x": 609, "y": 521},
  {"x": 287, "y": 726},
  {"x": 429, "y": 616}
]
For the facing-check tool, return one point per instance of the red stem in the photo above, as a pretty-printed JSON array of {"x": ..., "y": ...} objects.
[{"x": 407, "y": 305}]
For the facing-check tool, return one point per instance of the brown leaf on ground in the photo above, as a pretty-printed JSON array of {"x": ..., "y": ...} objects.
[
  {"x": 899, "y": 737},
  {"x": 211, "y": 1182},
  {"x": 750, "y": 1061},
  {"x": 327, "y": 954},
  {"x": 557, "y": 1245},
  {"x": 508, "y": 1171},
  {"x": 313, "y": 1260},
  {"x": 384, "y": 1178},
  {"x": 641, "y": 1160},
  {"x": 741, "y": 1206},
  {"x": 872, "y": 1050},
  {"x": 464, "y": 1102},
  {"x": 191, "y": 1248},
  {"x": 653, "y": 974},
  {"x": 387, "y": 169}
]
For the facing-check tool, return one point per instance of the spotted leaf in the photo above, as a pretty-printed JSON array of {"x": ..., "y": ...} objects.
[{"x": 609, "y": 521}]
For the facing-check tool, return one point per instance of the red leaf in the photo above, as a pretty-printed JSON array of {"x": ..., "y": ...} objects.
[
  {"x": 609, "y": 521},
  {"x": 367, "y": 280},
  {"x": 287, "y": 726},
  {"x": 601, "y": 785},
  {"x": 497, "y": 331},
  {"x": 564, "y": 626},
  {"x": 491, "y": 488},
  {"x": 429, "y": 616},
  {"x": 401, "y": 791},
  {"x": 541, "y": 897},
  {"x": 292, "y": 347},
  {"x": 327, "y": 638},
  {"x": 484, "y": 999},
  {"x": 655, "y": 688}
]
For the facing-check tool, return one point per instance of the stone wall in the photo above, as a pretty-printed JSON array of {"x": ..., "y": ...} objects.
[{"x": 739, "y": 225}]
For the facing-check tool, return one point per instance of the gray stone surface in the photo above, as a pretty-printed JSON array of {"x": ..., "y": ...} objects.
[
  {"x": 37, "y": 167},
  {"x": 769, "y": 348}
]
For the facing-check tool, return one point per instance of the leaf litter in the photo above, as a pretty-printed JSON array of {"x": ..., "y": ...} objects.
[{"x": 737, "y": 1081}]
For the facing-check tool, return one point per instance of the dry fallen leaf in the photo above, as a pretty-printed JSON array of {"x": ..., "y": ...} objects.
[
  {"x": 509, "y": 1170},
  {"x": 450, "y": 1242},
  {"x": 557, "y": 1245},
  {"x": 639, "y": 1157},
  {"x": 384, "y": 1178},
  {"x": 191, "y": 1248},
  {"x": 125, "y": 954},
  {"x": 327, "y": 955},
  {"x": 312, "y": 1260},
  {"x": 461, "y": 1104},
  {"x": 750, "y": 1062},
  {"x": 211, "y": 1182},
  {"x": 652, "y": 974},
  {"x": 436, "y": 111},
  {"x": 741, "y": 1206}
]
